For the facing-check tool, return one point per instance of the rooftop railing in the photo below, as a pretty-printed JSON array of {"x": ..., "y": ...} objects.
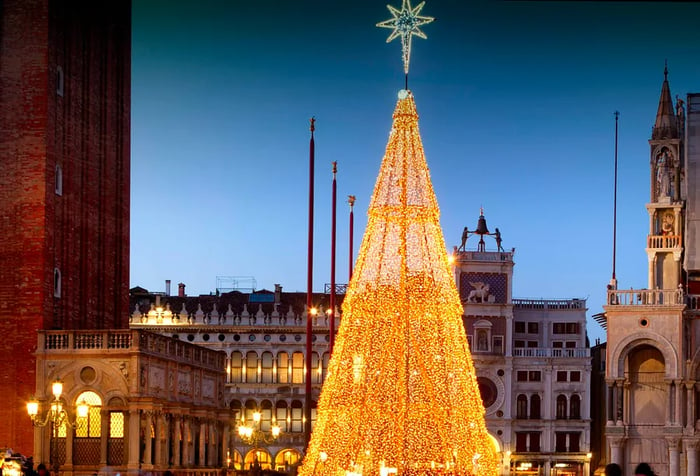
[
  {"x": 550, "y": 352},
  {"x": 646, "y": 297}
]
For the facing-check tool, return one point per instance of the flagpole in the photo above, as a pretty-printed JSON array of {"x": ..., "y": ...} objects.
[
  {"x": 331, "y": 326},
  {"x": 351, "y": 201},
  {"x": 613, "y": 281},
  {"x": 309, "y": 290}
]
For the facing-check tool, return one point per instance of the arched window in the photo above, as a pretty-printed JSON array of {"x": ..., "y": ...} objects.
[
  {"x": 251, "y": 367},
  {"x": 561, "y": 407},
  {"x": 91, "y": 426},
  {"x": 283, "y": 418},
  {"x": 286, "y": 459},
  {"x": 282, "y": 367},
  {"x": 297, "y": 424},
  {"x": 316, "y": 368},
  {"x": 298, "y": 367},
  {"x": 88, "y": 431},
  {"x": 314, "y": 412},
  {"x": 575, "y": 407},
  {"x": 521, "y": 406},
  {"x": 250, "y": 407},
  {"x": 237, "y": 411},
  {"x": 535, "y": 404},
  {"x": 267, "y": 363},
  {"x": 266, "y": 415},
  {"x": 236, "y": 367}
]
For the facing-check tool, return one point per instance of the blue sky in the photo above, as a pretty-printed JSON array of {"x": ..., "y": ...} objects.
[{"x": 516, "y": 103}]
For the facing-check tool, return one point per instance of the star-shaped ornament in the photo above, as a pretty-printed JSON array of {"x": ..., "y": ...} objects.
[{"x": 406, "y": 23}]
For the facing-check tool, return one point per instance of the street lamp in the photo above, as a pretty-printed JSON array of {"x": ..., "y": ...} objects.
[
  {"x": 253, "y": 435},
  {"x": 57, "y": 415}
]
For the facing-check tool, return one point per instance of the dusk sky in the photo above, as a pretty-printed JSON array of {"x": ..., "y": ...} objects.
[{"x": 516, "y": 103}]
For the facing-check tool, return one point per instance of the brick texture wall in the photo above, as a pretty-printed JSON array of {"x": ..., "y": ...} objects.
[{"x": 83, "y": 130}]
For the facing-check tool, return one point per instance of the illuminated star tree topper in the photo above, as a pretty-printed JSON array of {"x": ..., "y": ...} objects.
[{"x": 406, "y": 23}]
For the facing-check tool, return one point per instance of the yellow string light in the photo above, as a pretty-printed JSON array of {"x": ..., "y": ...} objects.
[{"x": 401, "y": 392}]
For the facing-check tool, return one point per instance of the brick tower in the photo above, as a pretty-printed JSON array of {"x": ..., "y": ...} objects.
[{"x": 65, "y": 73}]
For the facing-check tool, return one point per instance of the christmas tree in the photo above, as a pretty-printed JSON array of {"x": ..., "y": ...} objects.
[{"x": 401, "y": 393}]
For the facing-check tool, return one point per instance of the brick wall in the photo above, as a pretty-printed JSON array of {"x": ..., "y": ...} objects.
[{"x": 84, "y": 232}]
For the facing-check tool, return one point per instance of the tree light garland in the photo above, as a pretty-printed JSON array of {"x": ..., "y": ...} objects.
[{"x": 401, "y": 394}]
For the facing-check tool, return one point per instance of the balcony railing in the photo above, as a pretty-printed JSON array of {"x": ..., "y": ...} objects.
[
  {"x": 646, "y": 297},
  {"x": 120, "y": 340},
  {"x": 550, "y": 352},
  {"x": 664, "y": 241},
  {"x": 549, "y": 303}
]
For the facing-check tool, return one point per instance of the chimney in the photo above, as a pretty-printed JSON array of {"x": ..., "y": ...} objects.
[
  {"x": 181, "y": 290},
  {"x": 278, "y": 293},
  {"x": 167, "y": 287}
]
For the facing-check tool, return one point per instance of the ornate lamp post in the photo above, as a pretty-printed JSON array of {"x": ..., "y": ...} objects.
[
  {"x": 57, "y": 416},
  {"x": 253, "y": 435}
]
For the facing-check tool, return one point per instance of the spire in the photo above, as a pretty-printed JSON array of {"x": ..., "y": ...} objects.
[{"x": 666, "y": 125}]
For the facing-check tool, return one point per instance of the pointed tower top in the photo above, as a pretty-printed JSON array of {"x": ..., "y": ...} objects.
[{"x": 666, "y": 125}]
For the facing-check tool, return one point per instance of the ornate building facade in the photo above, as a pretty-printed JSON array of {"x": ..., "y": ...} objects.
[
  {"x": 652, "y": 357},
  {"x": 263, "y": 336},
  {"x": 153, "y": 403},
  {"x": 65, "y": 78},
  {"x": 533, "y": 364}
]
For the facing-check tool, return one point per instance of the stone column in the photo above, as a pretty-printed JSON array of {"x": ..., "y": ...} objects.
[
  {"x": 617, "y": 450},
  {"x": 652, "y": 274},
  {"x": 678, "y": 384},
  {"x": 158, "y": 457},
  {"x": 673, "y": 455},
  {"x": 669, "y": 401},
  {"x": 134, "y": 440},
  {"x": 690, "y": 404},
  {"x": 70, "y": 436},
  {"x": 202, "y": 444},
  {"x": 177, "y": 432},
  {"x": 104, "y": 435},
  {"x": 148, "y": 441},
  {"x": 225, "y": 442},
  {"x": 691, "y": 451},
  {"x": 609, "y": 402}
]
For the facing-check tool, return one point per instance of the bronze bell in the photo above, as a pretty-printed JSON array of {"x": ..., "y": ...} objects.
[{"x": 481, "y": 228}]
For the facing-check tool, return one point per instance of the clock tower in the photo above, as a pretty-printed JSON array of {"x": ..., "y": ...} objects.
[{"x": 664, "y": 242}]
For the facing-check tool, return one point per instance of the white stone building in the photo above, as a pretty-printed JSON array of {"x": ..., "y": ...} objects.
[{"x": 532, "y": 361}]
